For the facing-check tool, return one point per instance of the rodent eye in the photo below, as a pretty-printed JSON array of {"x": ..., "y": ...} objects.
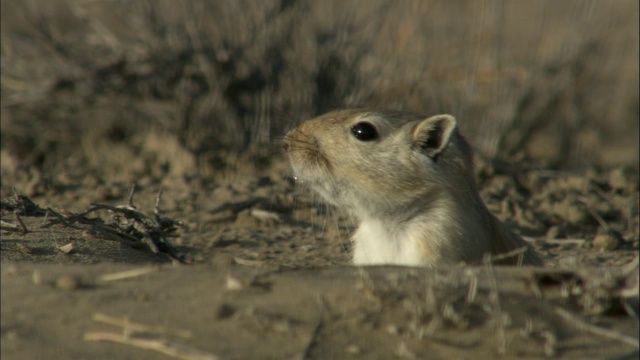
[{"x": 364, "y": 131}]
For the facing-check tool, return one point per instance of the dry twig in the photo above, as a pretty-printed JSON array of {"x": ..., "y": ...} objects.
[
  {"x": 7, "y": 226},
  {"x": 168, "y": 348},
  {"x": 130, "y": 326},
  {"x": 22, "y": 225},
  {"x": 61, "y": 218},
  {"x": 133, "y": 335},
  {"x": 126, "y": 223},
  {"x": 128, "y": 274},
  {"x": 519, "y": 252},
  {"x": 610, "y": 334}
]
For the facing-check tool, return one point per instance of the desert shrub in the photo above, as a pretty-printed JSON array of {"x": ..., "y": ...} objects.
[{"x": 550, "y": 82}]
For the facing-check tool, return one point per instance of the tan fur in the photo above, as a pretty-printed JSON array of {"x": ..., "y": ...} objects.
[{"x": 417, "y": 202}]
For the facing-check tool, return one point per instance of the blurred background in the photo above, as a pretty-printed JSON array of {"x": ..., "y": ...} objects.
[{"x": 123, "y": 88}]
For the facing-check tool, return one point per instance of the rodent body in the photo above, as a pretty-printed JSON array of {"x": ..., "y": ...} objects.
[{"x": 409, "y": 180}]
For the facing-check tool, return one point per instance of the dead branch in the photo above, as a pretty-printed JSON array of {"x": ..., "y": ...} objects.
[{"x": 610, "y": 334}]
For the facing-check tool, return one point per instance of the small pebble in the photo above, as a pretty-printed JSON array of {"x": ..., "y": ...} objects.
[
  {"x": 234, "y": 283},
  {"x": 556, "y": 232},
  {"x": 607, "y": 240},
  {"x": 68, "y": 249},
  {"x": 577, "y": 215},
  {"x": 36, "y": 277},
  {"x": 225, "y": 311},
  {"x": 573, "y": 213},
  {"x": 67, "y": 282},
  {"x": 621, "y": 178},
  {"x": 393, "y": 329},
  {"x": 353, "y": 349}
]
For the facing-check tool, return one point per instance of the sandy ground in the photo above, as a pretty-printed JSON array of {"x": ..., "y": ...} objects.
[
  {"x": 263, "y": 272},
  {"x": 192, "y": 98}
]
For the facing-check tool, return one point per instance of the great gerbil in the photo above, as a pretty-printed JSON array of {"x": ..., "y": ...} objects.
[{"x": 409, "y": 180}]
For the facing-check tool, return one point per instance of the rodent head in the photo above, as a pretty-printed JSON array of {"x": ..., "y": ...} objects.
[{"x": 373, "y": 161}]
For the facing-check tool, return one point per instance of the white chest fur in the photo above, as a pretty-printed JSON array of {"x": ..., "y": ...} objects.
[{"x": 376, "y": 243}]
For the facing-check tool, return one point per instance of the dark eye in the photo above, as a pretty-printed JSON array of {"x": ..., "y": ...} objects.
[{"x": 364, "y": 131}]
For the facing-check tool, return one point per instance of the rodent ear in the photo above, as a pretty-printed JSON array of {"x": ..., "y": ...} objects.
[{"x": 433, "y": 134}]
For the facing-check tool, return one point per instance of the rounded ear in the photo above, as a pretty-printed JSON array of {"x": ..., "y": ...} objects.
[{"x": 433, "y": 134}]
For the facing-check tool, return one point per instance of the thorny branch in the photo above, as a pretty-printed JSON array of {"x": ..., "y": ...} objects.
[{"x": 125, "y": 222}]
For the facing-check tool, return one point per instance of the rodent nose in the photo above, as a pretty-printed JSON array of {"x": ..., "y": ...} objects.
[{"x": 285, "y": 146}]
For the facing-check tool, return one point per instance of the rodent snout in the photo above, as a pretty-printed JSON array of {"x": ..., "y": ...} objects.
[{"x": 285, "y": 146}]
